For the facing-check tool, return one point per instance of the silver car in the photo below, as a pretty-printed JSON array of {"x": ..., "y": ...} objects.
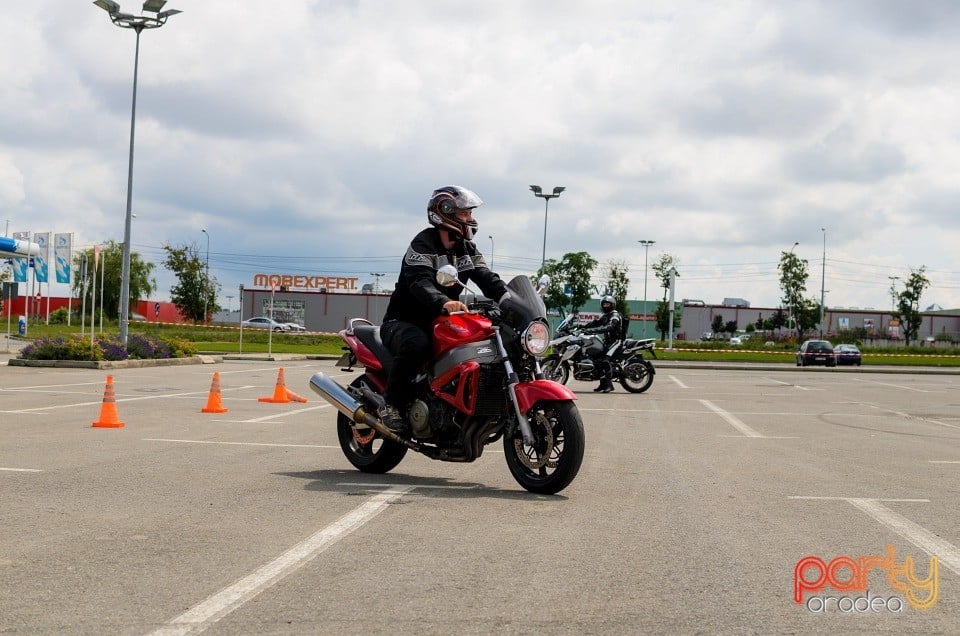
[{"x": 262, "y": 322}]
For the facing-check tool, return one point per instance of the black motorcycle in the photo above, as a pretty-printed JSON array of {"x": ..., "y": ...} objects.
[{"x": 574, "y": 353}]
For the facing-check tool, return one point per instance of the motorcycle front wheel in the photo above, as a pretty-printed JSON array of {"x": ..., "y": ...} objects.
[
  {"x": 368, "y": 452},
  {"x": 551, "y": 463},
  {"x": 555, "y": 370},
  {"x": 637, "y": 376}
]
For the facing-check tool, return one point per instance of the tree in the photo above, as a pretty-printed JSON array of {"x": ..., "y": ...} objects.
[
  {"x": 109, "y": 269},
  {"x": 717, "y": 324},
  {"x": 806, "y": 315},
  {"x": 908, "y": 303},
  {"x": 730, "y": 327},
  {"x": 618, "y": 286},
  {"x": 793, "y": 283},
  {"x": 571, "y": 273},
  {"x": 778, "y": 319},
  {"x": 662, "y": 268},
  {"x": 193, "y": 292}
]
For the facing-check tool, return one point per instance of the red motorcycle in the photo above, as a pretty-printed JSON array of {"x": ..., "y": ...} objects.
[{"x": 483, "y": 383}]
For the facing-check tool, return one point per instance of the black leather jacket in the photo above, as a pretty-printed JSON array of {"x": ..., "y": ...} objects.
[
  {"x": 610, "y": 325},
  {"x": 417, "y": 298}
]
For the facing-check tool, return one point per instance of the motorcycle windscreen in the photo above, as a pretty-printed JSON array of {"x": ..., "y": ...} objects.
[{"x": 522, "y": 304}]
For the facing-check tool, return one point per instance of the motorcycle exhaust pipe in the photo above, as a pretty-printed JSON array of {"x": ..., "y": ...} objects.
[{"x": 340, "y": 398}]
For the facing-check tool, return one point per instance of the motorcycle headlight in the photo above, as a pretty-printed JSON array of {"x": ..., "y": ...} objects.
[{"x": 536, "y": 338}]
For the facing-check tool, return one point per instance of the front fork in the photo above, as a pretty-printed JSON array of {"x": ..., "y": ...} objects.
[{"x": 513, "y": 381}]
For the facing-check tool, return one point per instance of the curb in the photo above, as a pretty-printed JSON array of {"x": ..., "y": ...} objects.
[
  {"x": 774, "y": 366},
  {"x": 114, "y": 364}
]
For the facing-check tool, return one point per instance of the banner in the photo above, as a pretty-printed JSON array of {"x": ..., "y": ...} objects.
[
  {"x": 41, "y": 260},
  {"x": 20, "y": 264},
  {"x": 63, "y": 256}
]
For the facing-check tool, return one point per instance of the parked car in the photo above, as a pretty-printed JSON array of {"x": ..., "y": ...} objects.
[
  {"x": 848, "y": 354},
  {"x": 706, "y": 336},
  {"x": 135, "y": 317},
  {"x": 262, "y": 322},
  {"x": 737, "y": 340},
  {"x": 816, "y": 352},
  {"x": 293, "y": 326}
]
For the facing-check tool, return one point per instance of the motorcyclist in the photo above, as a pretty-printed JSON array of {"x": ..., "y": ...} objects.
[
  {"x": 417, "y": 298},
  {"x": 610, "y": 324}
]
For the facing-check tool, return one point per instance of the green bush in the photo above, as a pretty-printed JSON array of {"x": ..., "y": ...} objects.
[
  {"x": 181, "y": 347},
  {"x": 72, "y": 348},
  {"x": 59, "y": 317}
]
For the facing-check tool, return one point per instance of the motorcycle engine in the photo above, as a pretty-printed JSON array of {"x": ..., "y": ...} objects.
[
  {"x": 419, "y": 417},
  {"x": 583, "y": 370}
]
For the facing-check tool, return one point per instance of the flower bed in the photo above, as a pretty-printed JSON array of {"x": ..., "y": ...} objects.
[{"x": 139, "y": 347}]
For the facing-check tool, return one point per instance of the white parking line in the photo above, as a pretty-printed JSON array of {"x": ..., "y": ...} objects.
[
  {"x": 944, "y": 461},
  {"x": 213, "y": 608},
  {"x": 947, "y": 553},
  {"x": 158, "y": 396},
  {"x": 896, "y": 386},
  {"x": 204, "y": 441},
  {"x": 796, "y": 386},
  {"x": 730, "y": 419},
  {"x": 678, "y": 382},
  {"x": 21, "y": 470},
  {"x": 284, "y": 414},
  {"x": 911, "y": 417}
]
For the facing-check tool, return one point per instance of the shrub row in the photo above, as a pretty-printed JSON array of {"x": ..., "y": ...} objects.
[{"x": 79, "y": 348}]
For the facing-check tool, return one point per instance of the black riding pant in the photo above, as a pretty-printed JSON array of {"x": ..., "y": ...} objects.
[{"x": 410, "y": 347}]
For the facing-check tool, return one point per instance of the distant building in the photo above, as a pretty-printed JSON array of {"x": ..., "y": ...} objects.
[{"x": 735, "y": 302}]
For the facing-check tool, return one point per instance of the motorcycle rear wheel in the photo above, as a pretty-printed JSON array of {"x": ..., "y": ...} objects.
[
  {"x": 637, "y": 376},
  {"x": 377, "y": 455},
  {"x": 548, "y": 466},
  {"x": 555, "y": 370}
]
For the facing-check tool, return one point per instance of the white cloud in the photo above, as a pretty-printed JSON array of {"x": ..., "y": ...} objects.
[{"x": 307, "y": 135}]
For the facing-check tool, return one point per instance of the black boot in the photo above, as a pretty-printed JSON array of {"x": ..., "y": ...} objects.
[
  {"x": 607, "y": 387},
  {"x": 602, "y": 388}
]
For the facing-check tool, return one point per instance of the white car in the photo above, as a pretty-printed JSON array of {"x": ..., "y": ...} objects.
[
  {"x": 293, "y": 326},
  {"x": 262, "y": 322}
]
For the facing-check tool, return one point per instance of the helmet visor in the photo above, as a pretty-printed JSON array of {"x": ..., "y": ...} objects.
[{"x": 467, "y": 199}]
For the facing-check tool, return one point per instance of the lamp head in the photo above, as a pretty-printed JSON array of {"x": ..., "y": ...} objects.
[
  {"x": 109, "y": 6},
  {"x": 557, "y": 190},
  {"x": 536, "y": 189},
  {"x": 154, "y": 6}
]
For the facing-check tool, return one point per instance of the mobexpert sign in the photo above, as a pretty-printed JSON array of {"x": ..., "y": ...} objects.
[{"x": 297, "y": 281}]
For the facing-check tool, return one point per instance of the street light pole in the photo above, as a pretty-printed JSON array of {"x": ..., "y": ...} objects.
[
  {"x": 490, "y": 236},
  {"x": 206, "y": 277},
  {"x": 790, "y": 307},
  {"x": 538, "y": 192},
  {"x": 646, "y": 252},
  {"x": 823, "y": 278},
  {"x": 138, "y": 23},
  {"x": 376, "y": 278}
]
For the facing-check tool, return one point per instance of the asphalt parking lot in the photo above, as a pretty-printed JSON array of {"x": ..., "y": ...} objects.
[{"x": 694, "y": 506}]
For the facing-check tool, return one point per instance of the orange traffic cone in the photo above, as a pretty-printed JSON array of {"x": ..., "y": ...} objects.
[
  {"x": 108, "y": 410},
  {"x": 214, "y": 401},
  {"x": 282, "y": 395}
]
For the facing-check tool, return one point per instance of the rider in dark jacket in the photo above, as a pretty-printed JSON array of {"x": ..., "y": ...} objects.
[
  {"x": 610, "y": 324},
  {"x": 417, "y": 298}
]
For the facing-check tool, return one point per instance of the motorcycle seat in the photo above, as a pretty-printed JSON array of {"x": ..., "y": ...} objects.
[{"x": 369, "y": 335}]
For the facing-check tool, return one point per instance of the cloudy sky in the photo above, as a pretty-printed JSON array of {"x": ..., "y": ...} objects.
[{"x": 307, "y": 135}]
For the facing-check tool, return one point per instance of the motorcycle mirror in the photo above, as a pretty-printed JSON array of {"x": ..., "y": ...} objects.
[
  {"x": 543, "y": 283},
  {"x": 447, "y": 276}
]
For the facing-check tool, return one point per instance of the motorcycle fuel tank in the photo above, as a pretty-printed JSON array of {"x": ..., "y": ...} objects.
[
  {"x": 453, "y": 331},
  {"x": 484, "y": 352}
]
